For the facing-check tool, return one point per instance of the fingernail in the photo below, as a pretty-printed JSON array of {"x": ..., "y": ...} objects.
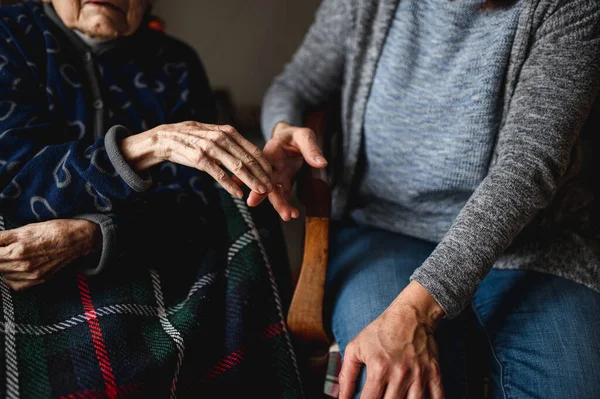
[
  {"x": 240, "y": 194},
  {"x": 320, "y": 160},
  {"x": 262, "y": 189}
]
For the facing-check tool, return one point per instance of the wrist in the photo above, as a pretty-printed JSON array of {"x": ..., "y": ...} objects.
[
  {"x": 141, "y": 151},
  {"x": 86, "y": 234},
  {"x": 415, "y": 296},
  {"x": 95, "y": 234}
]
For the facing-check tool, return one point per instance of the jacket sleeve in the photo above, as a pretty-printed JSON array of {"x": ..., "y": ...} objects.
[
  {"x": 45, "y": 173},
  {"x": 176, "y": 211},
  {"x": 315, "y": 71},
  {"x": 555, "y": 91}
]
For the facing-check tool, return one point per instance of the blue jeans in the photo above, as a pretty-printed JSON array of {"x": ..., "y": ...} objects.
[{"x": 541, "y": 332}]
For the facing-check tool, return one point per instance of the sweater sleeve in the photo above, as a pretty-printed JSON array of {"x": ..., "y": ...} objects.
[
  {"x": 42, "y": 169},
  {"x": 315, "y": 71},
  {"x": 556, "y": 88}
]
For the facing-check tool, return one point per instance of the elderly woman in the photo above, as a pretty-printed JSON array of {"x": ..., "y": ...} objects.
[{"x": 161, "y": 283}]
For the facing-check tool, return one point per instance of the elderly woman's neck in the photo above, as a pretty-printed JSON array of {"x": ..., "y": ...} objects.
[{"x": 90, "y": 41}]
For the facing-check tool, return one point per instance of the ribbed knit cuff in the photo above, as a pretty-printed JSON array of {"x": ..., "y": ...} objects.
[
  {"x": 442, "y": 291},
  {"x": 137, "y": 182}
]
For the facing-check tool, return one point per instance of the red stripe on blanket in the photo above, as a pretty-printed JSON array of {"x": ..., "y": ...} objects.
[
  {"x": 235, "y": 358},
  {"x": 227, "y": 363},
  {"x": 97, "y": 339},
  {"x": 273, "y": 330}
]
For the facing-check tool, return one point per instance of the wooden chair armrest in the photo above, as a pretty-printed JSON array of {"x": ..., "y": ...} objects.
[
  {"x": 305, "y": 318},
  {"x": 305, "y": 315}
]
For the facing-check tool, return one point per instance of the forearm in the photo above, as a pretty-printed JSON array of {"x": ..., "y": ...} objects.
[
  {"x": 92, "y": 174},
  {"x": 482, "y": 231},
  {"x": 281, "y": 105},
  {"x": 140, "y": 151},
  {"x": 315, "y": 71},
  {"x": 556, "y": 88}
]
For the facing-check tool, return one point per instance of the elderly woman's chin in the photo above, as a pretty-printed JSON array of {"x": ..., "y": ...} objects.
[
  {"x": 104, "y": 27},
  {"x": 102, "y": 19}
]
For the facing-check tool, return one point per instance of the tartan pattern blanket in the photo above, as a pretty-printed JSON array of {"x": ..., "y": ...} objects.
[
  {"x": 209, "y": 326},
  {"x": 331, "y": 387}
]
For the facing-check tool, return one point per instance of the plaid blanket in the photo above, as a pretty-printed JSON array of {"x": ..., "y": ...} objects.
[
  {"x": 334, "y": 366},
  {"x": 206, "y": 326}
]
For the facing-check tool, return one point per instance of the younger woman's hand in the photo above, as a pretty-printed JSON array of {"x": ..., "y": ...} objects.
[
  {"x": 398, "y": 350},
  {"x": 31, "y": 254},
  {"x": 287, "y": 150}
]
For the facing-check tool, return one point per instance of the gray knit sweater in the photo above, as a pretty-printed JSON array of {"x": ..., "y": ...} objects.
[
  {"x": 534, "y": 207},
  {"x": 432, "y": 114}
]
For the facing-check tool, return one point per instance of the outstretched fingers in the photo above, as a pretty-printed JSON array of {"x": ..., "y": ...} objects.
[{"x": 306, "y": 142}]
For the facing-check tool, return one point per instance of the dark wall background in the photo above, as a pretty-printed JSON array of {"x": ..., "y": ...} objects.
[{"x": 243, "y": 43}]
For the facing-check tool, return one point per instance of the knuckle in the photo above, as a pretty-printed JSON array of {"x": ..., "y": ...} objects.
[
  {"x": 196, "y": 142},
  {"x": 18, "y": 250},
  {"x": 256, "y": 152},
  {"x": 164, "y": 151},
  {"x": 238, "y": 165},
  {"x": 434, "y": 370},
  {"x": 250, "y": 161},
  {"x": 221, "y": 176},
  {"x": 24, "y": 267},
  {"x": 228, "y": 129},
  {"x": 351, "y": 347},
  {"x": 377, "y": 370},
  {"x": 220, "y": 137},
  {"x": 201, "y": 157},
  {"x": 36, "y": 274}
]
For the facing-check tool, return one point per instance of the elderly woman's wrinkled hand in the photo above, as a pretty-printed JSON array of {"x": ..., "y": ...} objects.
[
  {"x": 31, "y": 254},
  {"x": 205, "y": 147}
]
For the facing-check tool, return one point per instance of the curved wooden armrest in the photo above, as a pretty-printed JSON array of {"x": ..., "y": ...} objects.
[{"x": 305, "y": 315}]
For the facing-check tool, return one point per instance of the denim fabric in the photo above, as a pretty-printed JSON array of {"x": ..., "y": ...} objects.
[
  {"x": 541, "y": 333},
  {"x": 368, "y": 268}
]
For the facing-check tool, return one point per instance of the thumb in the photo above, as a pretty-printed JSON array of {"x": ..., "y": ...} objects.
[
  {"x": 307, "y": 144},
  {"x": 255, "y": 199},
  {"x": 6, "y": 237},
  {"x": 349, "y": 374}
]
